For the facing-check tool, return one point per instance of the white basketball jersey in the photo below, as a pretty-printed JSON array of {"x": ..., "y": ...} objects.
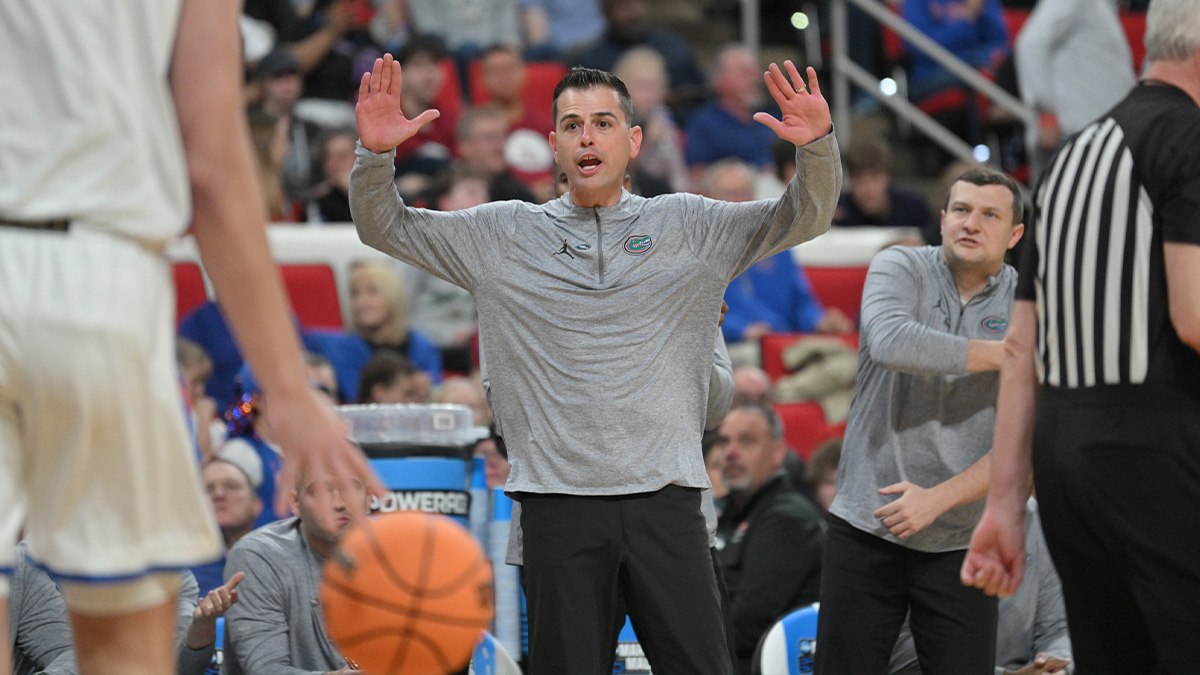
[{"x": 87, "y": 124}]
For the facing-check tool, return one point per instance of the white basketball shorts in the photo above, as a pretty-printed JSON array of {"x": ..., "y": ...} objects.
[{"x": 95, "y": 458}]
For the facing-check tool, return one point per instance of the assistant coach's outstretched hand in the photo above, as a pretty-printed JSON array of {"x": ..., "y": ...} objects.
[
  {"x": 381, "y": 123},
  {"x": 804, "y": 112}
]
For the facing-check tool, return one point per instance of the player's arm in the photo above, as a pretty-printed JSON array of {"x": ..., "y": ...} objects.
[
  {"x": 995, "y": 561},
  {"x": 917, "y": 507},
  {"x": 1183, "y": 290},
  {"x": 229, "y": 227}
]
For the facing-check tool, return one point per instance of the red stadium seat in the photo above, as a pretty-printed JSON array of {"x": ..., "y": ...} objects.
[
  {"x": 840, "y": 287},
  {"x": 773, "y": 345},
  {"x": 189, "y": 289},
  {"x": 314, "y": 295},
  {"x": 540, "y": 80},
  {"x": 805, "y": 428},
  {"x": 1134, "y": 24},
  {"x": 449, "y": 99},
  {"x": 1015, "y": 20}
]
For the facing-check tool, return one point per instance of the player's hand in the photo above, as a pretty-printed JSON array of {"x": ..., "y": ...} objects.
[
  {"x": 219, "y": 599},
  {"x": 381, "y": 124},
  {"x": 916, "y": 508},
  {"x": 314, "y": 442},
  {"x": 724, "y": 310},
  {"x": 995, "y": 561},
  {"x": 803, "y": 111}
]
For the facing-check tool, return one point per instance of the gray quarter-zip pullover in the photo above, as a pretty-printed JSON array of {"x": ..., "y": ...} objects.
[
  {"x": 917, "y": 415},
  {"x": 599, "y": 322}
]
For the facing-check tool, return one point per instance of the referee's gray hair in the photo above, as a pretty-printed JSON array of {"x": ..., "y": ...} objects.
[{"x": 1172, "y": 30}]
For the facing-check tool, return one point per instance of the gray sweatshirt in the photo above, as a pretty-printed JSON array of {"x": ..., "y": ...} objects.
[
  {"x": 917, "y": 415},
  {"x": 599, "y": 322},
  {"x": 40, "y": 628},
  {"x": 277, "y": 626}
]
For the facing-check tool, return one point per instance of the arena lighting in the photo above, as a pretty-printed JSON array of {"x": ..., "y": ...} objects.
[
  {"x": 888, "y": 86},
  {"x": 982, "y": 153},
  {"x": 800, "y": 20}
]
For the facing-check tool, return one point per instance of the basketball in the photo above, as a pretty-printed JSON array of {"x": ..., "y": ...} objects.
[{"x": 406, "y": 594}]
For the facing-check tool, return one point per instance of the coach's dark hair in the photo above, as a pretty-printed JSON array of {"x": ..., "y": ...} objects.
[
  {"x": 986, "y": 175},
  {"x": 590, "y": 78}
]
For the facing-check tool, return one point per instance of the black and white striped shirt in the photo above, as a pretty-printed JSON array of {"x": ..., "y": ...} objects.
[{"x": 1115, "y": 193}]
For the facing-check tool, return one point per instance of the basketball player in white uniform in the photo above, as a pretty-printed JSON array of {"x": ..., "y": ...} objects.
[{"x": 120, "y": 122}]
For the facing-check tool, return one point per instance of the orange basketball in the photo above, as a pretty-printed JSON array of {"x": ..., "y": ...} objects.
[{"x": 407, "y": 594}]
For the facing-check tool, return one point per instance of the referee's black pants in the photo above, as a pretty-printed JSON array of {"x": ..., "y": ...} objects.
[
  {"x": 587, "y": 558},
  {"x": 868, "y": 586},
  {"x": 1117, "y": 473}
]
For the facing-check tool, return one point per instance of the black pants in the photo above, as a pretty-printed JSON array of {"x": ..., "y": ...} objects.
[
  {"x": 868, "y": 585},
  {"x": 588, "y": 560},
  {"x": 1118, "y": 486}
]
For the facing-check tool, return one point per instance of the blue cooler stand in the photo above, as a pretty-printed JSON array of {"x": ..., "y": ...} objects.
[{"x": 421, "y": 452}]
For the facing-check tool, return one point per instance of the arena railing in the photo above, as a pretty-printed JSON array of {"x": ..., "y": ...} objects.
[{"x": 847, "y": 73}]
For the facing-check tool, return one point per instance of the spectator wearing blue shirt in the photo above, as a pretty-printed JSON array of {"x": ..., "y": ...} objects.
[
  {"x": 206, "y": 327},
  {"x": 973, "y": 30},
  {"x": 774, "y": 295},
  {"x": 725, "y": 127},
  {"x": 555, "y": 27}
]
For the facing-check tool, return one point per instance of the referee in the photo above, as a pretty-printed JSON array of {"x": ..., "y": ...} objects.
[{"x": 1107, "y": 325}]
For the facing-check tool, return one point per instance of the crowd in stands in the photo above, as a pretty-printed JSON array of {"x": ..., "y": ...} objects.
[{"x": 412, "y": 336}]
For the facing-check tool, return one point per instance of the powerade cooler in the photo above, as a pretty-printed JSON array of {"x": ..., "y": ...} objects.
[{"x": 421, "y": 453}]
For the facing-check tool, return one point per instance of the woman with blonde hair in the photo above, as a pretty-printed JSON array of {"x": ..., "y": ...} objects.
[{"x": 379, "y": 312}]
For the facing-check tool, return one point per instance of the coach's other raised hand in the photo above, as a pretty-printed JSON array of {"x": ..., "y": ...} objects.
[
  {"x": 381, "y": 123},
  {"x": 804, "y": 113}
]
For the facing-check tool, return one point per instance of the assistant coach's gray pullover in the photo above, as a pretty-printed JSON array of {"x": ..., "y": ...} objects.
[
  {"x": 599, "y": 322},
  {"x": 917, "y": 415}
]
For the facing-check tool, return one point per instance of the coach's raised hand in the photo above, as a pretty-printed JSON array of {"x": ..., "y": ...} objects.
[
  {"x": 803, "y": 111},
  {"x": 381, "y": 124}
]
